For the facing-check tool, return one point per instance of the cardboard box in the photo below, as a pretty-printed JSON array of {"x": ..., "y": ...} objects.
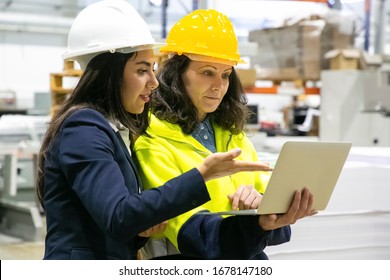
[
  {"x": 301, "y": 45},
  {"x": 371, "y": 61},
  {"x": 311, "y": 46},
  {"x": 247, "y": 76},
  {"x": 343, "y": 59},
  {"x": 277, "y": 47},
  {"x": 278, "y": 74}
]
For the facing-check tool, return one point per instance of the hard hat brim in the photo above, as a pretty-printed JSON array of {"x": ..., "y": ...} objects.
[
  {"x": 207, "y": 58},
  {"x": 73, "y": 55}
]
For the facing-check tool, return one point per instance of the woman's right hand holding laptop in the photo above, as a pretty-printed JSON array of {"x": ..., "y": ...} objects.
[{"x": 301, "y": 207}]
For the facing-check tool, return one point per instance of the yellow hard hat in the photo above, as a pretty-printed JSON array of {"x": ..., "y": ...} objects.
[{"x": 204, "y": 35}]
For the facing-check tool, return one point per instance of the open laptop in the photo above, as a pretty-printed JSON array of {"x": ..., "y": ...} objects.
[{"x": 315, "y": 165}]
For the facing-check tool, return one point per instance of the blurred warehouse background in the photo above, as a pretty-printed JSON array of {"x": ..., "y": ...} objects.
[{"x": 315, "y": 71}]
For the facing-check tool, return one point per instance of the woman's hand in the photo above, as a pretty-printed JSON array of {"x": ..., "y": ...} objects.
[
  {"x": 154, "y": 229},
  {"x": 223, "y": 164},
  {"x": 245, "y": 197},
  {"x": 300, "y": 207}
]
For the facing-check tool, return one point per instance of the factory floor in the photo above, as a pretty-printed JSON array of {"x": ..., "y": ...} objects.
[
  {"x": 345, "y": 212},
  {"x": 17, "y": 249}
]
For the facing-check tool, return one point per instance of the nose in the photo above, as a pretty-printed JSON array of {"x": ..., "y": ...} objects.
[
  {"x": 218, "y": 84},
  {"x": 153, "y": 82}
]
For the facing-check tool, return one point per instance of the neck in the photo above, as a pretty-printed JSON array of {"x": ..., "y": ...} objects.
[{"x": 202, "y": 118}]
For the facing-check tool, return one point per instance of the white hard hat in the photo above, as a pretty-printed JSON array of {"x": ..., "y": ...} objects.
[{"x": 107, "y": 26}]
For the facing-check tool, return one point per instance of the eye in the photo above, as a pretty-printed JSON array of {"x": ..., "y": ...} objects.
[
  {"x": 142, "y": 71},
  {"x": 226, "y": 76},
  {"x": 208, "y": 73}
]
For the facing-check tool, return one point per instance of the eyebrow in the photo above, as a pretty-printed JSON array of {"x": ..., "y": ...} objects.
[
  {"x": 215, "y": 68},
  {"x": 148, "y": 64}
]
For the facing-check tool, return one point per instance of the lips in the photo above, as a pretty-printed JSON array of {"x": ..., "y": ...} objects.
[
  {"x": 212, "y": 98},
  {"x": 145, "y": 98}
]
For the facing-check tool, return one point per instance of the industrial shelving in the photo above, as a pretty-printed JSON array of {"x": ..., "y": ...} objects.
[{"x": 59, "y": 90}]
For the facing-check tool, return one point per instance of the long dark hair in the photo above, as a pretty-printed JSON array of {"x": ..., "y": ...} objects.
[
  {"x": 99, "y": 88},
  {"x": 172, "y": 103}
]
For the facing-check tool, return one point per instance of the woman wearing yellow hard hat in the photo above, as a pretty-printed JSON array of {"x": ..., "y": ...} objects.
[
  {"x": 87, "y": 182},
  {"x": 198, "y": 110}
]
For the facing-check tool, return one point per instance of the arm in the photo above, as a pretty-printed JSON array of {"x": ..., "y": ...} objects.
[
  {"x": 194, "y": 235},
  {"x": 214, "y": 237},
  {"x": 93, "y": 166}
]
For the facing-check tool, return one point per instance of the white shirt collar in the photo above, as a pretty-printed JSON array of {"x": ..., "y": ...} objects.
[{"x": 123, "y": 131}]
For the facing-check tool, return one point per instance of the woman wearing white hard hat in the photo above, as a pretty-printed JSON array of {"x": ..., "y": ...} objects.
[{"x": 87, "y": 181}]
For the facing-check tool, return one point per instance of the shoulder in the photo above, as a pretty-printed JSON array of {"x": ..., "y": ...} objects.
[
  {"x": 86, "y": 113},
  {"x": 222, "y": 132},
  {"x": 91, "y": 130},
  {"x": 87, "y": 121},
  {"x": 243, "y": 139},
  {"x": 240, "y": 140},
  {"x": 159, "y": 133},
  {"x": 86, "y": 116},
  {"x": 163, "y": 128}
]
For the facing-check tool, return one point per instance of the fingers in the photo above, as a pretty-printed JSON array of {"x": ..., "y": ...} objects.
[
  {"x": 292, "y": 212},
  {"x": 301, "y": 207},
  {"x": 223, "y": 164},
  {"x": 239, "y": 197},
  {"x": 245, "y": 197},
  {"x": 305, "y": 206},
  {"x": 154, "y": 230},
  {"x": 239, "y": 165},
  {"x": 160, "y": 227},
  {"x": 298, "y": 206},
  {"x": 256, "y": 202},
  {"x": 250, "y": 166},
  {"x": 230, "y": 155}
]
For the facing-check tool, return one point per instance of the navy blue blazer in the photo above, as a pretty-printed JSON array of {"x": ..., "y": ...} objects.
[
  {"x": 93, "y": 200},
  {"x": 234, "y": 237}
]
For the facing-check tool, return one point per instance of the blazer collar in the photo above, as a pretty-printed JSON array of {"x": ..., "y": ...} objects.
[{"x": 124, "y": 140}]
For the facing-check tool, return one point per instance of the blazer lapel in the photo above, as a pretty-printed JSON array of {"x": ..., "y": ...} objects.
[{"x": 130, "y": 159}]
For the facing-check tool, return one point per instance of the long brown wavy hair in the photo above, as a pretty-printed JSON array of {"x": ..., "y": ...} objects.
[
  {"x": 99, "y": 88},
  {"x": 172, "y": 103}
]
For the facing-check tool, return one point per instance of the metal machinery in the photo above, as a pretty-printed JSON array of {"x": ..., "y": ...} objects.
[
  {"x": 355, "y": 107},
  {"x": 20, "y": 215}
]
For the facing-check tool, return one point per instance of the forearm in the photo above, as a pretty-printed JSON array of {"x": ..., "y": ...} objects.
[
  {"x": 279, "y": 236},
  {"x": 242, "y": 238},
  {"x": 212, "y": 237}
]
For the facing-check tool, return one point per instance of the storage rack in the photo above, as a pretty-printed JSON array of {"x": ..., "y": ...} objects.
[
  {"x": 277, "y": 87},
  {"x": 59, "y": 93}
]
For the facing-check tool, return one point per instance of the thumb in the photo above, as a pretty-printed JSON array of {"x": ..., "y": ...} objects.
[{"x": 229, "y": 155}]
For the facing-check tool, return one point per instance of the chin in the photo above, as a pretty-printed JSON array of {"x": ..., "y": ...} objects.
[
  {"x": 136, "y": 111},
  {"x": 140, "y": 111}
]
